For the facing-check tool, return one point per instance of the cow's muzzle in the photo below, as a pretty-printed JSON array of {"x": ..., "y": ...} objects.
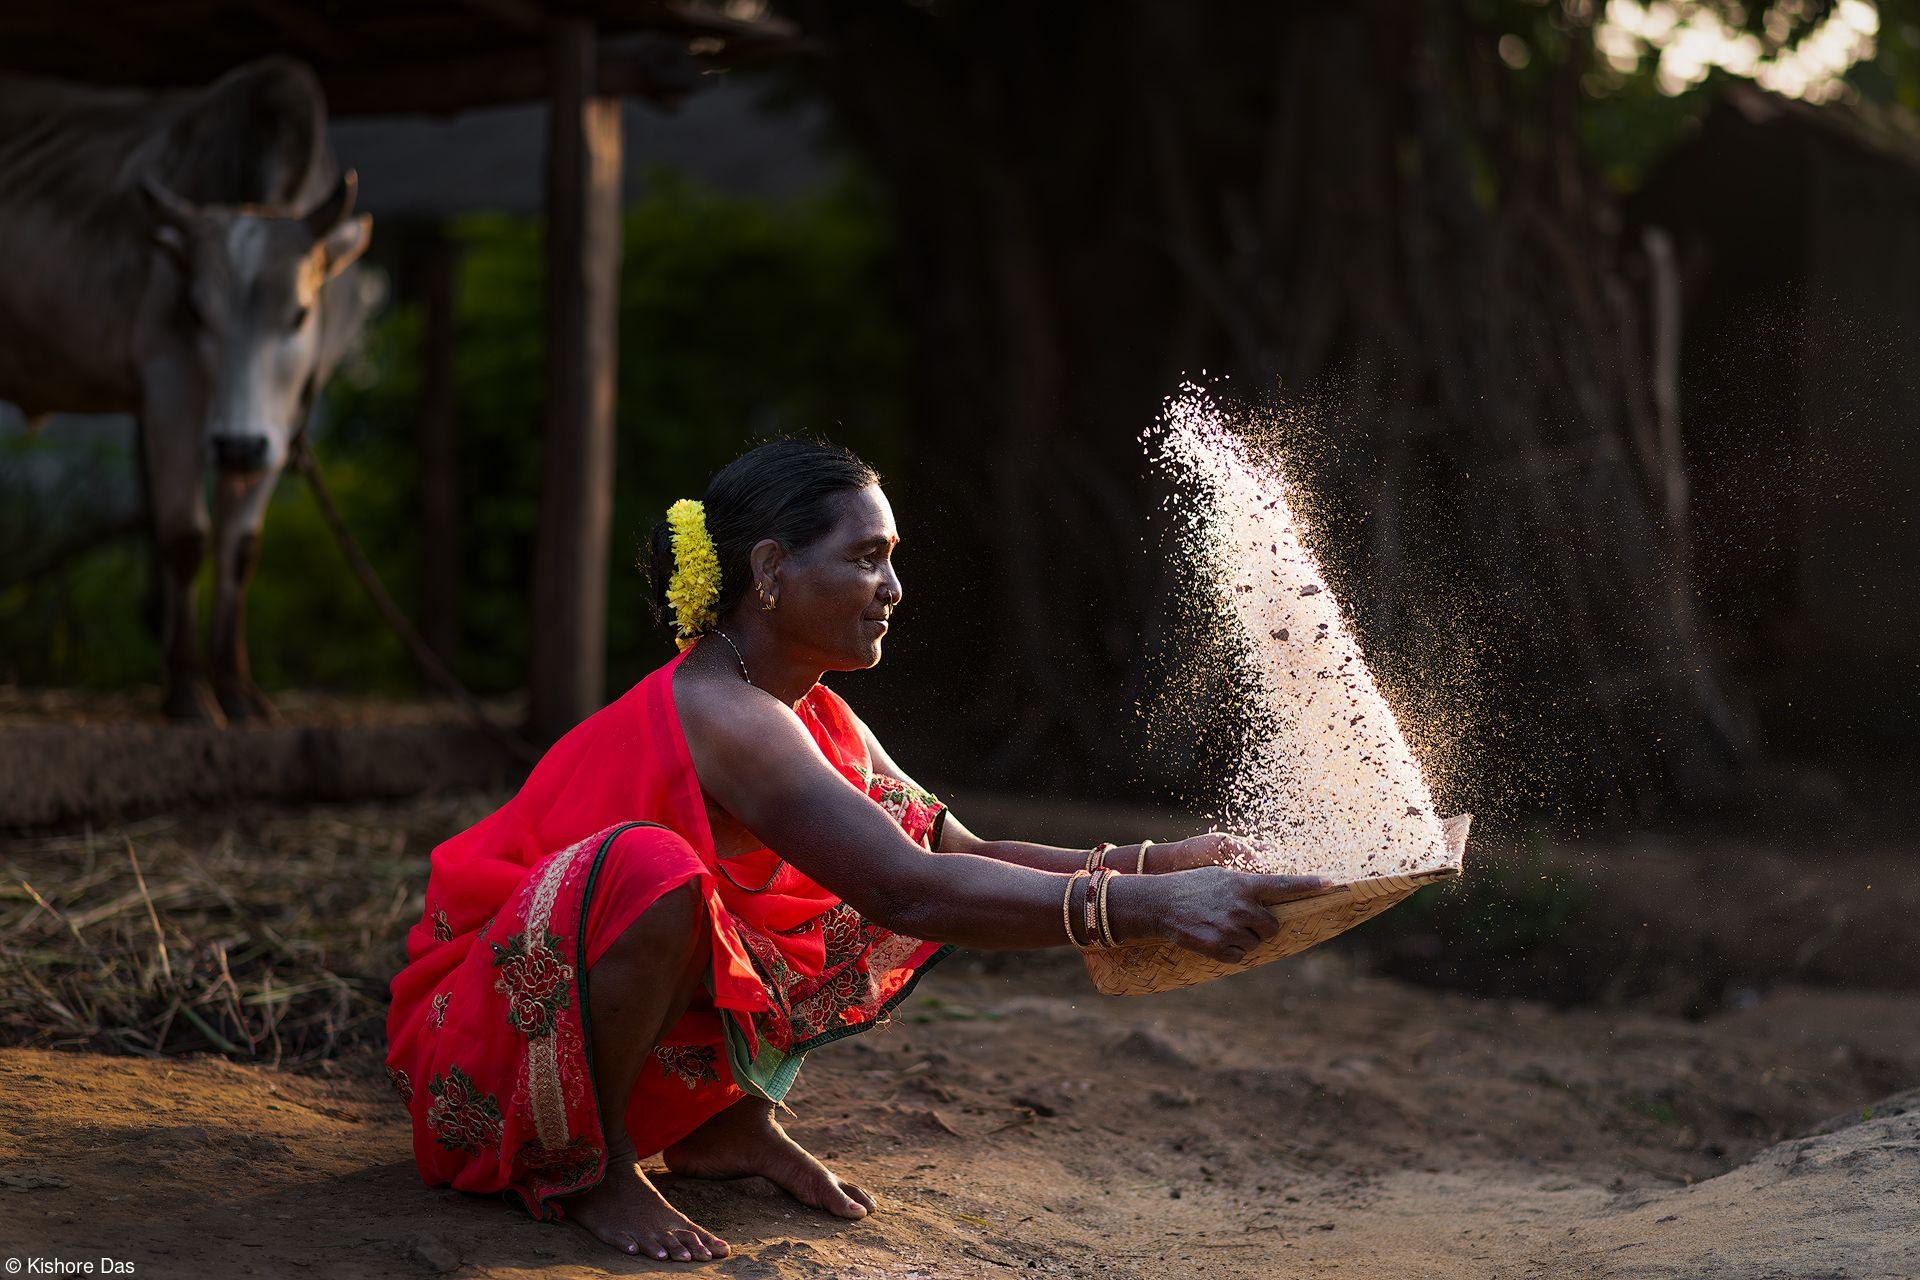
[{"x": 240, "y": 453}]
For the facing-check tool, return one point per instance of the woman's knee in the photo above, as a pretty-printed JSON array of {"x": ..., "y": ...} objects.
[
  {"x": 672, "y": 931},
  {"x": 636, "y": 863}
]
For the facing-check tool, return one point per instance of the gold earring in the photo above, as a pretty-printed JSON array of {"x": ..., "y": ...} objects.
[{"x": 766, "y": 601}]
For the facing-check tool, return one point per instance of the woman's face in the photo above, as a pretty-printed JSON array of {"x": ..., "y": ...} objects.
[{"x": 834, "y": 596}]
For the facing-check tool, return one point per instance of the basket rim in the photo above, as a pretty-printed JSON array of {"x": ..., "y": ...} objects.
[{"x": 1455, "y": 827}]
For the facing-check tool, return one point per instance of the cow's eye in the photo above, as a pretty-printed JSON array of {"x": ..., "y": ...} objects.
[{"x": 299, "y": 317}]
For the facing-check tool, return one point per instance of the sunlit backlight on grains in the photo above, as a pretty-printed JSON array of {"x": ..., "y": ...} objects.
[{"x": 1326, "y": 778}]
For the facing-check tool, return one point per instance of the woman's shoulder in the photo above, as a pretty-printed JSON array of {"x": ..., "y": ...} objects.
[
  {"x": 716, "y": 708},
  {"x": 701, "y": 698}
]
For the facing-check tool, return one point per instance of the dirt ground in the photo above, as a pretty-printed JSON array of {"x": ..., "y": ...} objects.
[{"x": 1302, "y": 1120}]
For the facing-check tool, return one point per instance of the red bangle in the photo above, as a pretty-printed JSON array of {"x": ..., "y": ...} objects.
[
  {"x": 1066, "y": 905},
  {"x": 1093, "y": 924}
]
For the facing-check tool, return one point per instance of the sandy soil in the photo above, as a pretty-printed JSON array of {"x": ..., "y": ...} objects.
[{"x": 1300, "y": 1120}]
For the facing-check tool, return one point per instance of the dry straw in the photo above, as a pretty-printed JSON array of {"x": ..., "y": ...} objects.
[
  {"x": 1146, "y": 967},
  {"x": 263, "y": 934}
]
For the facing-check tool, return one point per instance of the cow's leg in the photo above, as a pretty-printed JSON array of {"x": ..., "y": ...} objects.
[
  {"x": 173, "y": 466},
  {"x": 240, "y": 509}
]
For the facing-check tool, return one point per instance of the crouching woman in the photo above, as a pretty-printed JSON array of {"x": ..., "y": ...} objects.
[{"x": 722, "y": 871}]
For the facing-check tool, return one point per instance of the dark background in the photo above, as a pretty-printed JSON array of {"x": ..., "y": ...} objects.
[{"x": 1600, "y": 366}]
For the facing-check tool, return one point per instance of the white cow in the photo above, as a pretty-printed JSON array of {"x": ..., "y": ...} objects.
[{"x": 180, "y": 257}]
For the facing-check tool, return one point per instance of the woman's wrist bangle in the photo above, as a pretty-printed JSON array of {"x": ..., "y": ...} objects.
[
  {"x": 1096, "y": 856},
  {"x": 1093, "y": 920},
  {"x": 1106, "y": 920},
  {"x": 1066, "y": 905},
  {"x": 1140, "y": 867}
]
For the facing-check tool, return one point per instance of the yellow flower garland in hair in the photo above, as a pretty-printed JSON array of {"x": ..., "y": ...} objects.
[{"x": 695, "y": 586}]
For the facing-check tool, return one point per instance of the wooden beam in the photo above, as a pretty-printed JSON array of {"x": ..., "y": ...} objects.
[{"x": 568, "y": 677}]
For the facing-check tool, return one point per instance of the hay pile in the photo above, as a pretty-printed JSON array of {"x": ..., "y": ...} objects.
[{"x": 261, "y": 934}]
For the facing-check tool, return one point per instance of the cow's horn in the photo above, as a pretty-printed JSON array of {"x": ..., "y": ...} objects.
[
  {"x": 166, "y": 203},
  {"x": 326, "y": 215}
]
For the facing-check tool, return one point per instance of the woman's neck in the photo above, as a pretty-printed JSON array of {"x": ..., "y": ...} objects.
[{"x": 768, "y": 666}]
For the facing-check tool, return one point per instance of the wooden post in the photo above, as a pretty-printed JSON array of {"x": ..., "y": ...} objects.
[
  {"x": 568, "y": 676},
  {"x": 439, "y": 441}
]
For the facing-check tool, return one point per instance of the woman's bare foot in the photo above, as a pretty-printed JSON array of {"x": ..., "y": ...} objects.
[
  {"x": 745, "y": 1141},
  {"x": 626, "y": 1211}
]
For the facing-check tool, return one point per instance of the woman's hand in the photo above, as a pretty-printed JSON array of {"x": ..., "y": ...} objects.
[
  {"x": 1209, "y": 850},
  {"x": 1221, "y": 913}
]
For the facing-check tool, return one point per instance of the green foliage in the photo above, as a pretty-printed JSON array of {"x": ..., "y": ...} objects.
[
  {"x": 80, "y": 628},
  {"x": 1892, "y": 76},
  {"x": 312, "y": 623},
  {"x": 739, "y": 319},
  {"x": 81, "y": 622},
  {"x": 1627, "y": 120}
]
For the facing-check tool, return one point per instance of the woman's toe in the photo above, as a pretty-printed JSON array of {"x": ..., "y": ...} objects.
[
  {"x": 694, "y": 1244},
  {"x": 715, "y": 1245},
  {"x": 614, "y": 1236},
  {"x": 865, "y": 1197},
  {"x": 843, "y": 1204}
]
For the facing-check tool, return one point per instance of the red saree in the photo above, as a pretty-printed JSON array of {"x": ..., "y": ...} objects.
[{"x": 488, "y": 1044}]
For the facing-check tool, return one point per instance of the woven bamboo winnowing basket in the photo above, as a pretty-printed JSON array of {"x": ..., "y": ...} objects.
[{"x": 1142, "y": 968}]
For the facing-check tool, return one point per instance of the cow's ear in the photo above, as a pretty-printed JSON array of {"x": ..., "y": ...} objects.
[{"x": 340, "y": 246}]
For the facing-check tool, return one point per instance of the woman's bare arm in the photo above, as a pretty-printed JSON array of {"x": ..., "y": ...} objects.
[
  {"x": 757, "y": 761},
  {"x": 759, "y": 764},
  {"x": 956, "y": 838}
]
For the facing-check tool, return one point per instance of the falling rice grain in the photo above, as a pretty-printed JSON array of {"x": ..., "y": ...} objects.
[{"x": 1318, "y": 802}]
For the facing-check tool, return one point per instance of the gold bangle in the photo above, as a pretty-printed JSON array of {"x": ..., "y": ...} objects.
[
  {"x": 1106, "y": 920},
  {"x": 1066, "y": 906},
  {"x": 1096, "y": 856},
  {"x": 1140, "y": 868}
]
